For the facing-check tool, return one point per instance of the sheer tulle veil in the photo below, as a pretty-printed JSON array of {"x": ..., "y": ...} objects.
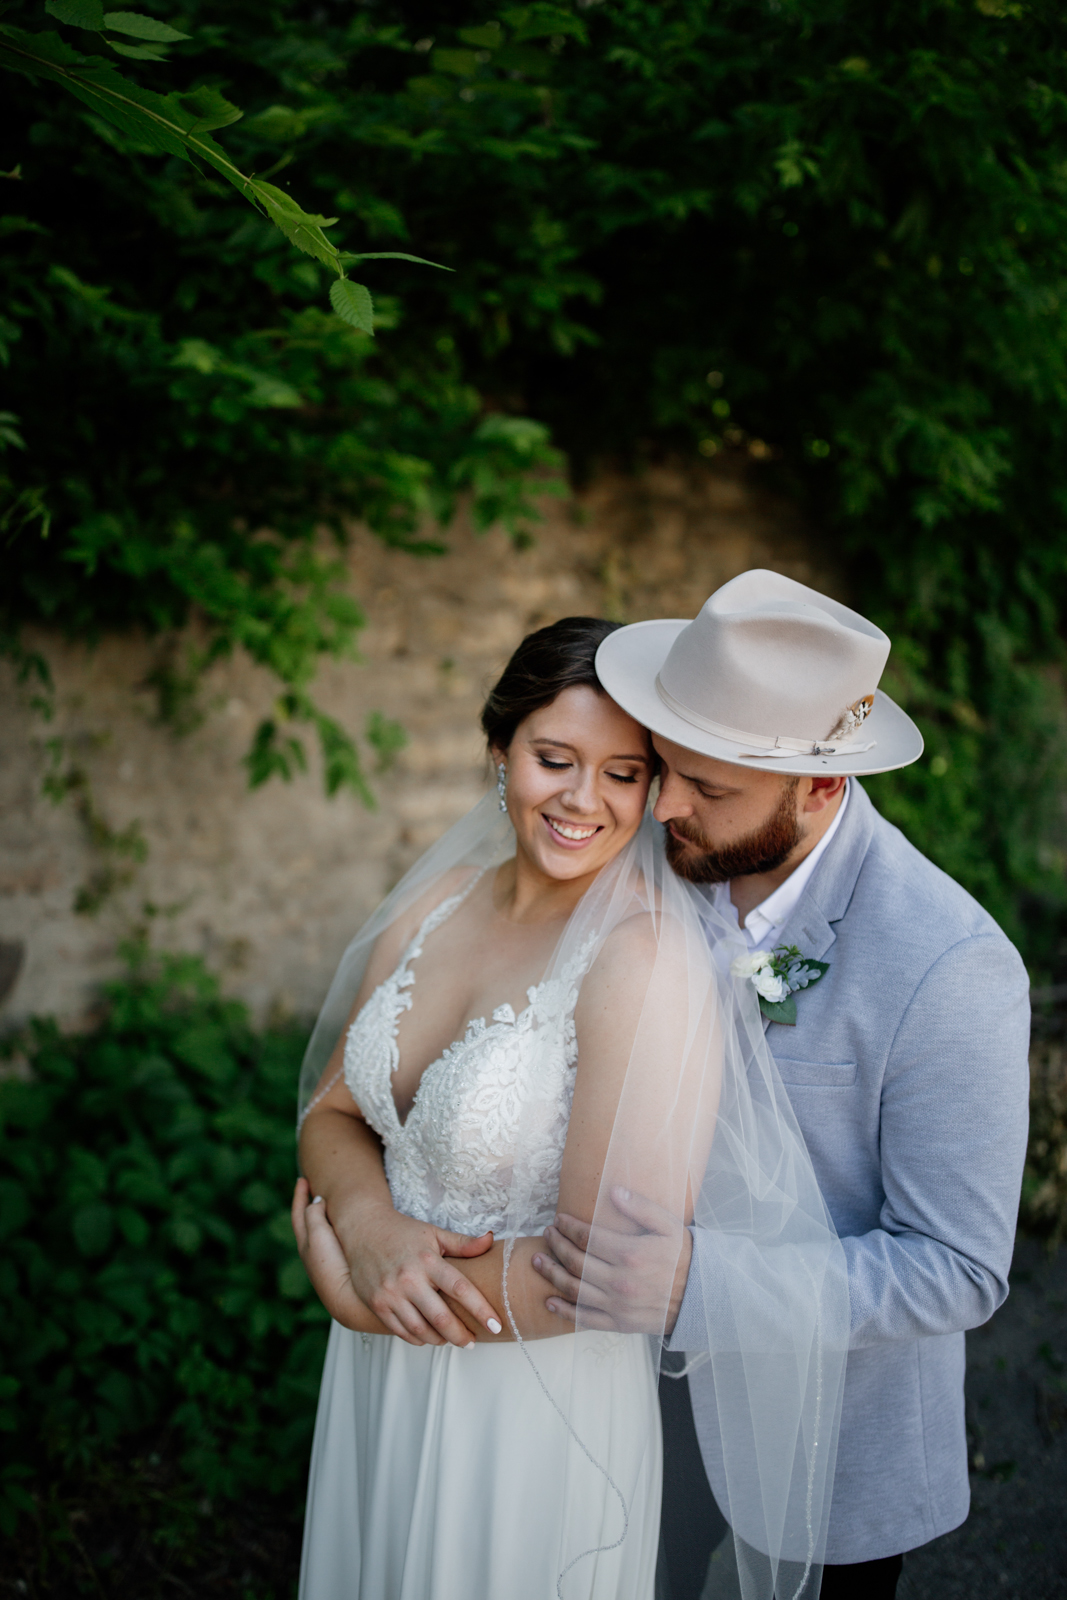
[{"x": 705, "y": 1130}]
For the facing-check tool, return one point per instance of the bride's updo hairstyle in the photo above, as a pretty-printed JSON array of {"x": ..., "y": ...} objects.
[{"x": 561, "y": 656}]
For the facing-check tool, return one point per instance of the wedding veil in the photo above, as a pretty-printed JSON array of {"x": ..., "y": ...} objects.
[{"x": 704, "y": 1130}]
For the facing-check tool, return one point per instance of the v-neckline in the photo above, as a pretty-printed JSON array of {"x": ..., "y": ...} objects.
[{"x": 402, "y": 982}]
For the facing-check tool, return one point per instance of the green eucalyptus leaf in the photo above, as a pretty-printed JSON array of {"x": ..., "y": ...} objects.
[
  {"x": 88, "y": 14},
  {"x": 353, "y": 304},
  {"x": 140, "y": 27}
]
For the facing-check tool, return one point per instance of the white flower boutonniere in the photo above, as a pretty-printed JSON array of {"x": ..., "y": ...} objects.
[{"x": 777, "y": 975}]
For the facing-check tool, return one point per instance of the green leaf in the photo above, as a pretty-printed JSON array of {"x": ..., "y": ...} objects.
[
  {"x": 300, "y": 227},
  {"x": 462, "y": 63},
  {"x": 353, "y": 304},
  {"x": 210, "y": 108},
  {"x": 139, "y": 52},
  {"x": 540, "y": 20},
  {"x": 133, "y": 1226},
  {"x": 346, "y": 256},
  {"x": 186, "y": 1235},
  {"x": 386, "y": 737},
  {"x": 293, "y": 1280},
  {"x": 258, "y": 1198},
  {"x": 783, "y": 1011},
  {"x": 91, "y": 1226},
  {"x": 488, "y": 37},
  {"x": 88, "y": 14},
  {"x": 14, "y": 1207},
  {"x": 140, "y": 27}
]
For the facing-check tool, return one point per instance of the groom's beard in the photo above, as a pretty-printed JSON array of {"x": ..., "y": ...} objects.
[{"x": 762, "y": 851}]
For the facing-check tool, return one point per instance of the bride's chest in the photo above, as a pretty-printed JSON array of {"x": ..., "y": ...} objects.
[{"x": 507, "y": 1078}]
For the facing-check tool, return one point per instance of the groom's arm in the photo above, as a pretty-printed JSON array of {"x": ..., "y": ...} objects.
[
  {"x": 952, "y": 1144},
  {"x": 953, "y": 1140}
]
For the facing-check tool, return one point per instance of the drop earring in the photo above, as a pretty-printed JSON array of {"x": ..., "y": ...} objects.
[{"x": 502, "y": 785}]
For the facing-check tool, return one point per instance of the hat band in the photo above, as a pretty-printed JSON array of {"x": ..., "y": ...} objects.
[{"x": 781, "y": 746}]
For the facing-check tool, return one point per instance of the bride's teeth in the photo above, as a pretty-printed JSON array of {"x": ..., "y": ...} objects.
[{"x": 571, "y": 833}]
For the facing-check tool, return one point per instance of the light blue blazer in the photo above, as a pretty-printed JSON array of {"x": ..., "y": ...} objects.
[{"x": 907, "y": 1070}]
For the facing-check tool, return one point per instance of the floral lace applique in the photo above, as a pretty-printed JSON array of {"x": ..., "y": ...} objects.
[{"x": 495, "y": 1102}]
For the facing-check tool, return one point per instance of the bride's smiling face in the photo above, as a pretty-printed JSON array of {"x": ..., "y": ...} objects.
[{"x": 578, "y": 774}]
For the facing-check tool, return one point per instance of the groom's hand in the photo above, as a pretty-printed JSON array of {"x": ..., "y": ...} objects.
[{"x": 625, "y": 1279}]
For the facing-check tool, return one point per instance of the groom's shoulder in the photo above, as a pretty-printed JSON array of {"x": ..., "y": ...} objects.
[{"x": 900, "y": 894}]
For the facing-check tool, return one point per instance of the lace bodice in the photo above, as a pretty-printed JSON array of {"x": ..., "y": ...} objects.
[{"x": 495, "y": 1102}]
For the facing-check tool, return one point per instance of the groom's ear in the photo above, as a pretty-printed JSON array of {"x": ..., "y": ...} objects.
[{"x": 820, "y": 792}]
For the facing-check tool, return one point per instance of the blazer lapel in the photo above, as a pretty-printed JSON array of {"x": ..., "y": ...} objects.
[{"x": 826, "y": 897}]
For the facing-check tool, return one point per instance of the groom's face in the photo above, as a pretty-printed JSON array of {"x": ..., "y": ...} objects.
[{"x": 723, "y": 821}]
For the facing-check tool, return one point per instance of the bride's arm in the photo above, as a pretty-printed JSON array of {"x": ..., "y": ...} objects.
[
  {"x": 397, "y": 1267},
  {"x": 376, "y": 1270}
]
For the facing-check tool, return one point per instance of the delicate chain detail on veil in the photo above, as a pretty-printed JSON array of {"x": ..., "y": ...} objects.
[
  {"x": 809, "y": 1499},
  {"x": 597, "y": 1549},
  {"x": 684, "y": 1371}
]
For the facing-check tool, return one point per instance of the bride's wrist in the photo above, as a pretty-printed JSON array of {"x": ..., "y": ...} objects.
[{"x": 354, "y": 1215}]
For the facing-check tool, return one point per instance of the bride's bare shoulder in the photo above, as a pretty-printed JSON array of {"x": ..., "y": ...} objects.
[
  {"x": 394, "y": 939},
  {"x": 654, "y": 939}
]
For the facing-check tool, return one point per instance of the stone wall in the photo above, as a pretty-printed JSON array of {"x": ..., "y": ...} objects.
[{"x": 269, "y": 885}]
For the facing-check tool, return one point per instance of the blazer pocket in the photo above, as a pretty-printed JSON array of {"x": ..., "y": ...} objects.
[{"x": 819, "y": 1074}]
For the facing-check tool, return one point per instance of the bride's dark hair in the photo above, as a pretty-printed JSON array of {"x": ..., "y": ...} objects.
[{"x": 561, "y": 656}]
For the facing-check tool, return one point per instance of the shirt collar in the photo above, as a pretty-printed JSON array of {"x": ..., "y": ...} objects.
[{"x": 764, "y": 921}]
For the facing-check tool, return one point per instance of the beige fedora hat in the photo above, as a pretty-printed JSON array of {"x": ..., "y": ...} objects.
[{"x": 771, "y": 674}]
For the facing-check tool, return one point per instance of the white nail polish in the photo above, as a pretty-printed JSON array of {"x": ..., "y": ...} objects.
[
  {"x": 317, "y": 1200},
  {"x": 469, "y": 1346},
  {"x": 493, "y": 1325}
]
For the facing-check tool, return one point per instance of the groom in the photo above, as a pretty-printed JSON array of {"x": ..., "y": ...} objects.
[{"x": 906, "y": 1064}]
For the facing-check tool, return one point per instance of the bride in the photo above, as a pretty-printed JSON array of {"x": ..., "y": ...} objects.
[{"x": 539, "y": 1014}]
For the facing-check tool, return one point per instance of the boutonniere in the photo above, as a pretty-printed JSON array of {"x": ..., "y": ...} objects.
[{"x": 776, "y": 975}]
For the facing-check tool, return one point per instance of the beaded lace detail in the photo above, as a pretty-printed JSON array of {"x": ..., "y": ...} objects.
[{"x": 502, "y": 1091}]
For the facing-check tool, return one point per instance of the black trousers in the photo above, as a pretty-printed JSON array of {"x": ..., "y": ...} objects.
[
  {"x": 692, "y": 1526},
  {"x": 862, "y": 1580}
]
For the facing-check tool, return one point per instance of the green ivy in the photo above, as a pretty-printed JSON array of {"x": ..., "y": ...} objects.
[
  {"x": 825, "y": 239},
  {"x": 149, "y": 1284}
]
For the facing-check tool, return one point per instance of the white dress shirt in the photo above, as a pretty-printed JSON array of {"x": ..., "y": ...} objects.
[{"x": 764, "y": 921}]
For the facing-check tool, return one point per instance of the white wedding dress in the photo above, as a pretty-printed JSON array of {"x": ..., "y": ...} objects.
[{"x": 447, "y": 1474}]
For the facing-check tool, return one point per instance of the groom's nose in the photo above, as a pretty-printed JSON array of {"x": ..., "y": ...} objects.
[{"x": 672, "y": 800}]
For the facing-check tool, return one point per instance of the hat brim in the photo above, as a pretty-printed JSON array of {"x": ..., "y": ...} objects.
[{"x": 629, "y": 660}]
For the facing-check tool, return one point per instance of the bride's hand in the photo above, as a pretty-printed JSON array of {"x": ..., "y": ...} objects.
[
  {"x": 324, "y": 1260},
  {"x": 397, "y": 1267},
  {"x": 399, "y": 1270}
]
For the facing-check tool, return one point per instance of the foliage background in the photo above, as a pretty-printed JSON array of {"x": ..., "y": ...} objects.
[
  {"x": 854, "y": 220},
  {"x": 832, "y": 237}
]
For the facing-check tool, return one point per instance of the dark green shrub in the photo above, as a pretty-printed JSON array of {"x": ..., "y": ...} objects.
[
  {"x": 1044, "y": 1200},
  {"x": 150, "y": 1290}
]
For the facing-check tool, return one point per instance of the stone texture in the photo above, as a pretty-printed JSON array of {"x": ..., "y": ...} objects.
[{"x": 269, "y": 885}]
